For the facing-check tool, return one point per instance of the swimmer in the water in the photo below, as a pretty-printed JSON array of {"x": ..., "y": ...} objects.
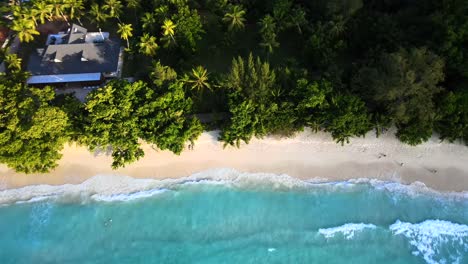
[{"x": 108, "y": 222}]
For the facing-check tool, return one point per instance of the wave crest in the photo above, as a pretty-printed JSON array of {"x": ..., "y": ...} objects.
[
  {"x": 347, "y": 230},
  {"x": 433, "y": 237}
]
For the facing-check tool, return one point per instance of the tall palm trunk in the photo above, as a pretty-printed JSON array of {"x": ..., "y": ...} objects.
[
  {"x": 299, "y": 28},
  {"x": 63, "y": 16}
]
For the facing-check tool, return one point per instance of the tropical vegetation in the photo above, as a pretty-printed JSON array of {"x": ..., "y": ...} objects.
[{"x": 347, "y": 67}]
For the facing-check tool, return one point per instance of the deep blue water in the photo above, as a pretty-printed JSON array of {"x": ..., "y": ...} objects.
[{"x": 222, "y": 223}]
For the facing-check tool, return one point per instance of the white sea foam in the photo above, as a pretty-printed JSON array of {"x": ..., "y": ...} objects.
[
  {"x": 37, "y": 199},
  {"x": 235, "y": 178},
  {"x": 431, "y": 238},
  {"x": 125, "y": 197},
  {"x": 347, "y": 230},
  {"x": 113, "y": 188},
  {"x": 123, "y": 188},
  {"x": 413, "y": 189}
]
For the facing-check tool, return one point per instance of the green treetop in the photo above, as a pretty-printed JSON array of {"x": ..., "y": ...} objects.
[
  {"x": 234, "y": 18},
  {"x": 403, "y": 85},
  {"x": 32, "y": 132},
  {"x": 122, "y": 113}
]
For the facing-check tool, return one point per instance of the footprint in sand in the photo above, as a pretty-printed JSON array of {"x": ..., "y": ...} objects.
[{"x": 381, "y": 155}]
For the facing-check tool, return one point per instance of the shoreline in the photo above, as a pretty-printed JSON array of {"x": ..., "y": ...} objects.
[{"x": 439, "y": 166}]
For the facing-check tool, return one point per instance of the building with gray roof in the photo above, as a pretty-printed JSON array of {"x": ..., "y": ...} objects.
[{"x": 75, "y": 56}]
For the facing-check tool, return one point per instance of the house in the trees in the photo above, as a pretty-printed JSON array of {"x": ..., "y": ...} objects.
[{"x": 77, "y": 56}]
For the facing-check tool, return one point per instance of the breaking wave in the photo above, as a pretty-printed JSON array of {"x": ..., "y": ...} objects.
[
  {"x": 434, "y": 238},
  {"x": 347, "y": 230},
  {"x": 114, "y": 188}
]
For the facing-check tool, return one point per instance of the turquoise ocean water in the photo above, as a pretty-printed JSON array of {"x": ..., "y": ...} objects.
[{"x": 214, "y": 221}]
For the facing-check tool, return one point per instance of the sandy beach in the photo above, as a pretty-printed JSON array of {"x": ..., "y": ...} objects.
[{"x": 440, "y": 166}]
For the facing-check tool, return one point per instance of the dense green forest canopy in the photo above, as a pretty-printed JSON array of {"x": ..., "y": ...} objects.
[{"x": 269, "y": 66}]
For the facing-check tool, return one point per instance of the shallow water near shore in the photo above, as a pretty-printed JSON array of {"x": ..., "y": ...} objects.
[{"x": 203, "y": 219}]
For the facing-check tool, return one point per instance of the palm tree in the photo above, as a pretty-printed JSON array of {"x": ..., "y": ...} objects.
[
  {"x": 298, "y": 18},
  {"x": 161, "y": 73},
  {"x": 133, "y": 4},
  {"x": 148, "y": 45},
  {"x": 57, "y": 9},
  {"x": 96, "y": 14},
  {"x": 168, "y": 28},
  {"x": 114, "y": 7},
  {"x": 25, "y": 28},
  {"x": 199, "y": 78},
  {"x": 75, "y": 7},
  {"x": 235, "y": 18},
  {"x": 16, "y": 10},
  {"x": 29, "y": 14},
  {"x": 42, "y": 10},
  {"x": 269, "y": 42},
  {"x": 168, "y": 32},
  {"x": 336, "y": 28},
  {"x": 267, "y": 23},
  {"x": 148, "y": 21},
  {"x": 125, "y": 31},
  {"x": 161, "y": 12},
  {"x": 268, "y": 33}
]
